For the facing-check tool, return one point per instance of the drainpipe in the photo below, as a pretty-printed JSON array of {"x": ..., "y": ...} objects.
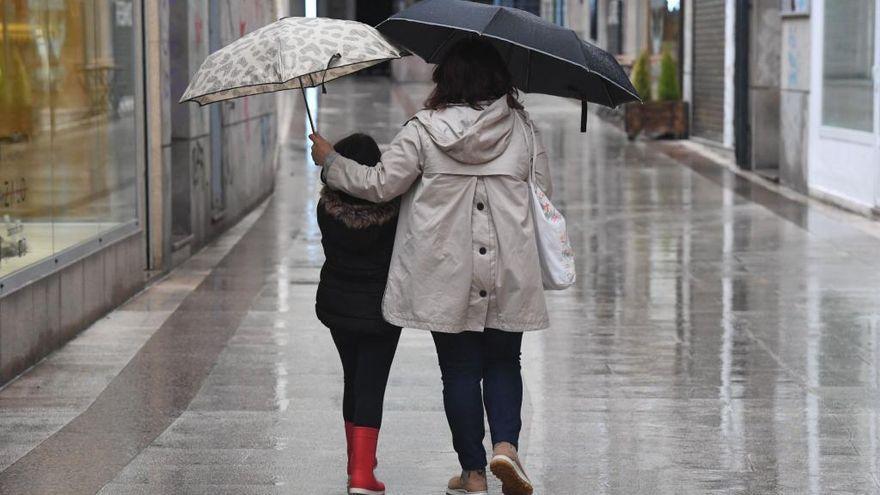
[{"x": 741, "y": 120}]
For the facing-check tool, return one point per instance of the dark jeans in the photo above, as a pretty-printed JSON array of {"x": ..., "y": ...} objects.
[
  {"x": 466, "y": 359},
  {"x": 366, "y": 362}
]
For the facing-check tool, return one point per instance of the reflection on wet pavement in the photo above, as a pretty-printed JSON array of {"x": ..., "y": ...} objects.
[{"x": 721, "y": 339}]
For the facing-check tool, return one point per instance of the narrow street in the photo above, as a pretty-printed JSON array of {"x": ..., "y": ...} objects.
[{"x": 722, "y": 338}]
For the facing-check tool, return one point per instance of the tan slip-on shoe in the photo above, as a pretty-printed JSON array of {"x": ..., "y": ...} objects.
[
  {"x": 468, "y": 483},
  {"x": 506, "y": 467}
]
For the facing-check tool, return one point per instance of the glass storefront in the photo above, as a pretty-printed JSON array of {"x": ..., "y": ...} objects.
[
  {"x": 847, "y": 79},
  {"x": 666, "y": 26},
  {"x": 68, "y": 159}
]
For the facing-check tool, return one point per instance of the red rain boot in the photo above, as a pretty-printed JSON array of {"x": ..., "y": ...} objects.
[
  {"x": 348, "y": 428},
  {"x": 363, "y": 458}
]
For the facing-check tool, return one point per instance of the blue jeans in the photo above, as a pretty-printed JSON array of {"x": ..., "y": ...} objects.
[{"x": 467, "y": 359}]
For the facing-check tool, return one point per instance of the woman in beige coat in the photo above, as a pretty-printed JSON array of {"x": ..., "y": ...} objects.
[{"x": 465, "y": 263}]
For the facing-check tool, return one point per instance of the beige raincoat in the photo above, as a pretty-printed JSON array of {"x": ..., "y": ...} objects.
[{"x": 465, "y": 256}]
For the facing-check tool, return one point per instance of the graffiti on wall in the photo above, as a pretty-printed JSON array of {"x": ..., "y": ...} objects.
[
  {"x": 265, "y": 136},
  {"x": 198, "y": 29},
  {"x": 199, "y": 170},
  {"x": 795, "y": 68}
]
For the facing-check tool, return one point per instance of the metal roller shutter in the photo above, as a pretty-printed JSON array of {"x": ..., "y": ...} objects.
[{"x": 708, "y": 70}]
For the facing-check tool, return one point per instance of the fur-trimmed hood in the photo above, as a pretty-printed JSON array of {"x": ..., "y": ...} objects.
[{"x": 358, "y": 214}]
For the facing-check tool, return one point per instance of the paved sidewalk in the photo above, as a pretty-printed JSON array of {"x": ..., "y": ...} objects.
[{"x": 722, "y": 339}]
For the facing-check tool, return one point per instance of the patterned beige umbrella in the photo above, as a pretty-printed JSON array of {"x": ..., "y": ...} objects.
[{"x": 294, "y": 52}]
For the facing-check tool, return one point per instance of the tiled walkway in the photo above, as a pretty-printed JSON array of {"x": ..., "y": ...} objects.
[{"x": 721, "y": 339}]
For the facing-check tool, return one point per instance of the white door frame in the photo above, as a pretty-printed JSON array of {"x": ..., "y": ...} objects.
[
  {"x": 843, "y": 163},
  {"x": 877, "y": 102}
]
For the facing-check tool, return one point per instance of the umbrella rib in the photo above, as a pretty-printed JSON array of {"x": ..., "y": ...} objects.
[
  {"x": 454, "y": 30},
  {"x": 441, "y": 45},
  {"x": 610, "y": 99},
  {"x": 494, "y": 16}
]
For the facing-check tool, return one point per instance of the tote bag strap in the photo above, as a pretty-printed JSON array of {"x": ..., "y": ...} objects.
[{"x": 529, "y": 134}]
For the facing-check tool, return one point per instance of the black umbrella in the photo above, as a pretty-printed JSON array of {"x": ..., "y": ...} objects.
[{"x": 541, "y": 56}]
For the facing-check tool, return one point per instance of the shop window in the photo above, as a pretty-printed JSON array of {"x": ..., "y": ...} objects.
[
  {"x": 666, "y": 22},
  {"x": 67, "y": 126},
  {"x": 847, "y": 82}
]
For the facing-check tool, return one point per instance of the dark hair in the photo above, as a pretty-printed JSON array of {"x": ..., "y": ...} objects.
[
  {"x": 360, "y": 148},
  {"x": 472, "y": 72}
]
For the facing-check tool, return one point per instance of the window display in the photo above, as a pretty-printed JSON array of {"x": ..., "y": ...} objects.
[{"x": 67, "y": 129}]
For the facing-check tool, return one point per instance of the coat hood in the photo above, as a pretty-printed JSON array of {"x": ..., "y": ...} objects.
[{"x": 468, "y": 135}]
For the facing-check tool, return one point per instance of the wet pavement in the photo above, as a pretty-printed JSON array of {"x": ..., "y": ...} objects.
[{"x": 722, "y": 338}]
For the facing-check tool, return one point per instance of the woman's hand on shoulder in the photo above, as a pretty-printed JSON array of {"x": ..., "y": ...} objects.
[{"x": 321, "y": 149}]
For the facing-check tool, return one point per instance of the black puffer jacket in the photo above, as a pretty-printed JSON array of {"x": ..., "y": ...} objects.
[{"x": 358, "y": 238}]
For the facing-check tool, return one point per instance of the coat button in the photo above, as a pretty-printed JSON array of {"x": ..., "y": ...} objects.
[
  {"x": 483, "y": 250},
  {"x": 480, "y": 206},
  {"x": 482, "y": 293}
]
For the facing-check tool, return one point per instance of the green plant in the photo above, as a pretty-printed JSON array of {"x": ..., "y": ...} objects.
[
  {"x": 641, "y": 76},
  {"x": 667, "y": 86}
]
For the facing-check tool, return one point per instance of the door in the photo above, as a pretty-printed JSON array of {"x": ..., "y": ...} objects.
[
  {"x": 845, "y": 159},
  {"x": 708, "y": 70},
  {"x": 877, "y": 106}
]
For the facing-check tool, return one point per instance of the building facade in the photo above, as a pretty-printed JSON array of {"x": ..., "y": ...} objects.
[
  {"x": 843, "y": 149},
  {"x": 790, "y": 89},
  {"x": 105, "y": 181}
]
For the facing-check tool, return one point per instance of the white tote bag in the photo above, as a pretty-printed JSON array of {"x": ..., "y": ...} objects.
[{"x": 554, "y": 247}]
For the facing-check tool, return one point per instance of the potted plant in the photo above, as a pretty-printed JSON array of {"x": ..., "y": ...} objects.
[{"x": 665, "y": 117}]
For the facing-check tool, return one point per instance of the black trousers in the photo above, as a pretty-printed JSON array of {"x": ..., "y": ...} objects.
[
  {"x": 467, "y": 361},
  {"x": 366, "y": 362}
]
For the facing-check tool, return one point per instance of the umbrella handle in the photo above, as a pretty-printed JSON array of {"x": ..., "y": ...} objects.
[
  {"x": 306, "y": 101},
  {"x": 583, "y": 115},
  {"x": 334, "y": 58}
]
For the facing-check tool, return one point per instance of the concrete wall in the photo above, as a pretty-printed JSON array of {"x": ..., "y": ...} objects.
[
  {"x": 577, "y": 17},
  {"x": 44, "y": 315},
  {"x": 208, "y": 192},
  {"x": 635, "y": 27},
  {"x": 764, "y": 73},
  {"x": 794, "y": 102}
]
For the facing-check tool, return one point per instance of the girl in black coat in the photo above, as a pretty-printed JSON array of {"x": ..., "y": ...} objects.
[{"x": 358, "y": 237}]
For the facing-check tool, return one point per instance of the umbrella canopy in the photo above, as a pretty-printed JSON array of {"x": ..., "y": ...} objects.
[
  {"x": 542, "y": 57},
  {"x": 294, "y": 52}
]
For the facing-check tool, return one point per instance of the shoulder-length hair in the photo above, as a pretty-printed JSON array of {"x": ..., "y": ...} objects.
[{"x": 471, "y": 73}]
